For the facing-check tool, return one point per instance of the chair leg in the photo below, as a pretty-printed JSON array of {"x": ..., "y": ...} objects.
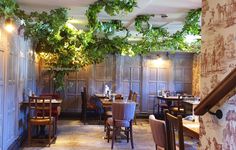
[
  {"x": 135, "y": 119},
  {"x": 54, "y": 128},
  {"x": 105, "y": 123},
  {"x": 85, "y": 117},
  {"x": 29, "y": 134},
  {"x": 127, "y": 134},
  {"x": 49, "y": 134},
  {"x": 113, "y": 136},
  {"x": 108, "y": 133},
  {"x": 105, "y": 126},
  {"x": 131, "y": 135},
  {"x": 56, "y": 118}
]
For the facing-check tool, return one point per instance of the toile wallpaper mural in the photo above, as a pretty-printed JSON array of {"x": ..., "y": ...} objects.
[
  {"x": 196, "y": 74},
  {"x": 218, "y": 58}
]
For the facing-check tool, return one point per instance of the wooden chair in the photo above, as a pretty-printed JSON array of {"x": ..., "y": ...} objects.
[
  {"x": 108, "y": 110},
  {"x": 174, "y": 124},
  {"x": 86, "y": 106},
  {"x": 40, "y": 114},
  {"x": 55, "y": 111},
  {"x": 123, "y": 115},
  {"x": 178, "y": 108},
  {"x": 158, "y": 129}
]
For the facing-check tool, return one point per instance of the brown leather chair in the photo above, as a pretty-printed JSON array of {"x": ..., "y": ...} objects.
[
  {"x": 40, "y": 114},
  {"x": 158, "y": 129},
  {"x": 122, "y": 116}
]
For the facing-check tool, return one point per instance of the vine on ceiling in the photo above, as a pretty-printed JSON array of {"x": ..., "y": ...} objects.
[{"x": 62, "y": 46}]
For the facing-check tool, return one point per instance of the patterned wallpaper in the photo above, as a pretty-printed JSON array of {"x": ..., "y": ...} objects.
[
  {"x": 218, "y": 58},
  {"x": 196, "y": 75}
]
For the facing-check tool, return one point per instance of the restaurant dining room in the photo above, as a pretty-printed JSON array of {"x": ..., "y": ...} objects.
[{"x": 117, "y": 74}]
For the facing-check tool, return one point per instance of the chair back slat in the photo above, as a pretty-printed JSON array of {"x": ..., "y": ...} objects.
[
  {"x": 174, "y": 125},
  {"x": 130, "y": 95},
  {"x": 40, "y": 107}
]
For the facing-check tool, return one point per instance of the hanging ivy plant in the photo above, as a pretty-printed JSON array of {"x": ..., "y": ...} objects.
[
  {"x": 110, "y": 7},
  {"x": 158, "y": 38},
  {"x": 64, "y": 48},
  {"x": 8, "y": 8}
]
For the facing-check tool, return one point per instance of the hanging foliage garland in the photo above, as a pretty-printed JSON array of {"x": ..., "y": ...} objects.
[{"x": 62, "y": 46}]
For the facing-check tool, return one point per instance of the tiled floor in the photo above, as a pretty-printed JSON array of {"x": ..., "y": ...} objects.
[{"x": 73, "y": 135}]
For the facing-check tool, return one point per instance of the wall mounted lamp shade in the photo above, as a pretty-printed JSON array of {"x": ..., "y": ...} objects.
[{"x": 9, "y": 25}]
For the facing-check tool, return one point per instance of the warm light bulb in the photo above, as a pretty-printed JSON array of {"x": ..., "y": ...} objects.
[
  {"x": 159, "y": 61},
  {"x": 9, "y": 25}
]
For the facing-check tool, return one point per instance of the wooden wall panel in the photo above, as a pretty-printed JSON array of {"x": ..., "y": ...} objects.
[
  {"x": 1, "y": 65},
  {"x": 103, "y": 75},
  {"x": 126, "y": 86},
  {"x": 14, "y": 69},
  {"x": 122, "y": 73},
  {"x": 2, "y": 91},
  {"x": 11, "y": 102},
  {"x": 45, "y": 82},
  {"x": 183, "y": 73},
  {"x": 130, "y": 75},
  {"x": 75, "y": 81}
]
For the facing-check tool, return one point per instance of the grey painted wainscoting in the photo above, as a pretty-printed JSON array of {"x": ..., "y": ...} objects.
[
  {"x": 17, "y": 74},
  {"x": 143, "y": 74}
]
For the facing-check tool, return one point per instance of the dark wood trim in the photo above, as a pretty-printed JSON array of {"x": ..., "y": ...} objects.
[
  {"x": 18, "y": 142},
  {"x": 214, "y": 97}
]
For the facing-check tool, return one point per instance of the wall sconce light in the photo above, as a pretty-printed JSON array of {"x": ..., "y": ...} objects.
[
  {"x": 159, "y": 59},
  {"x": 9, "y": 25}
]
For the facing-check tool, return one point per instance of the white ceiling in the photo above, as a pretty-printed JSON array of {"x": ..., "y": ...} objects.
[{"x": 176, "y": 10}]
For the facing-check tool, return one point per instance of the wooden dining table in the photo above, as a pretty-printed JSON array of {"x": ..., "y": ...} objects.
[
  {"x": 168, "y": 100},
  {"x": 55, "y": 102},
  {"x": 106, "y": 102},
  {"x": 191, "y": 128}
]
